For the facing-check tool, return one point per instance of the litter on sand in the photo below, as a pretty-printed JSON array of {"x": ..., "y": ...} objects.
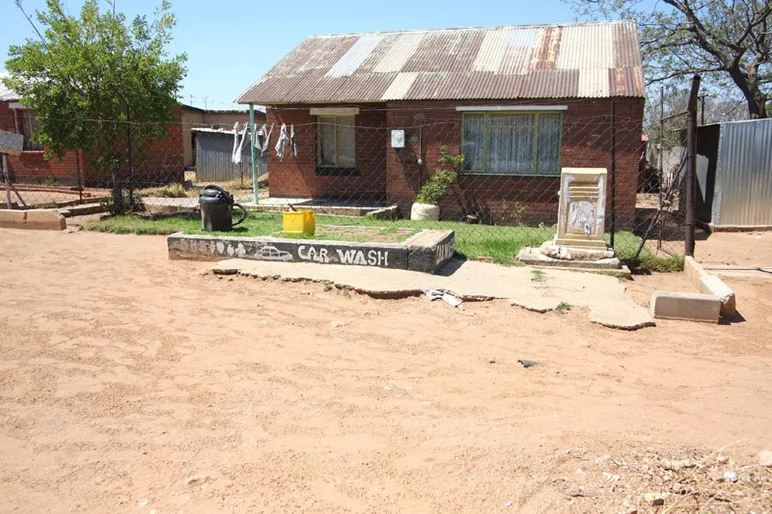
[
  {"x": 439, "y": 294},
  {"x": 527, "y": 363}
]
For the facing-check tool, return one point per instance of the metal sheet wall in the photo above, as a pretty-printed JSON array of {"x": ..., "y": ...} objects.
[
  {"x": 743, "y": 190},
  {"x": 213, "y": 159}
]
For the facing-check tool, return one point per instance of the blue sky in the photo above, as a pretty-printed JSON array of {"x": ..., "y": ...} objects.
[{"x": 232, "y": 42}]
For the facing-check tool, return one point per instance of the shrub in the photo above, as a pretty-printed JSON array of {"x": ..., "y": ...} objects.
[
  {"x": 133, "y": 203},
  {"x": 437, "y": 186}
]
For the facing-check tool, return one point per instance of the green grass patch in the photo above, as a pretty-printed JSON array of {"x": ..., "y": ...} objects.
[{"x": 498, "y": 244}]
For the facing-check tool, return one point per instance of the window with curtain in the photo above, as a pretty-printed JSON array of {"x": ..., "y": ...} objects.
[
  {"x": 335, "y": 145},
  {"x": 512, "y": 143},
  {"x": 30, "y": 126}
]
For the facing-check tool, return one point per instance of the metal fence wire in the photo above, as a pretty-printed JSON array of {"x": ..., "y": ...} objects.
[{"x": 368, "y": 169}]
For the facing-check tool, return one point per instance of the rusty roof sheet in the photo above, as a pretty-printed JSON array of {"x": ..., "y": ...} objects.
[{"x": 580, "y": 60}]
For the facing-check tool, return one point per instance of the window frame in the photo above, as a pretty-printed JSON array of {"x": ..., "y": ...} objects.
[
  {"x": 29, "y": 116},
  {"x": 334, "y": 169},
  {"x": 535, "y": 112}
]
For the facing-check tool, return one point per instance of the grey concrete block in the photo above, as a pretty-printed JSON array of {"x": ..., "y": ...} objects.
[
  {"x": 10, "y": 218},
  {"x": 712, "y": 284},
  {"x": 45, "y": 219},
  {"x": 36, "y": 219},
  {"x": 430, "y": 250},
  {"x": 686, "y": 306},
  {"x": 201, "y": 247}
]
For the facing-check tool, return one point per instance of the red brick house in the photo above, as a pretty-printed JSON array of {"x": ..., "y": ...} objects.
[
  {"x": 518, "y": 102},
  {"x": 162, "y": 161}
]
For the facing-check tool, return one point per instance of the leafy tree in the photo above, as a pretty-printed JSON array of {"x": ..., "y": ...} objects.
[
  {"x": 727, "y": 39},
  {"x": 86, "y": 75}
]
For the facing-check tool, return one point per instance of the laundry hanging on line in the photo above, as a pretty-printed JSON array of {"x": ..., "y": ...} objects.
[
  {"x": 282, "y": 143},
  {"x": 263, "y": 140},
  {"x": 293, "y": 141},
  {"x": 236, "y": 157}
]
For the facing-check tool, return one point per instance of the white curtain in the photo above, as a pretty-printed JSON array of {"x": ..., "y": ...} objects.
[
  {"x": 549, "y": 144},
  {"x": 474, "y": 142},
  {"x": 517, "y": 144},
  {"x": 346, "y": 139}
]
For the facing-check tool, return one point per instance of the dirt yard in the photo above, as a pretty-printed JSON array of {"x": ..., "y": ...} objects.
[{"x": 130, "y": 383}]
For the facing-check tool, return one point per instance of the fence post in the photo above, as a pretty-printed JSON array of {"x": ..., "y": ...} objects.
[
  {"x": 691, "y": 164},
  {"x": 252, "y": 140},
  {"x": 7, "y": 176},
  {"x": 130, "y": 162},
  {"x": 613, "y": 171}
]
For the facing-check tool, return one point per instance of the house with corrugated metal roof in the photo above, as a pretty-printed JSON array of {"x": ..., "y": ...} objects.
[
  {"x": 163, "y": 158},
  {"x": 371, "y": 111}
]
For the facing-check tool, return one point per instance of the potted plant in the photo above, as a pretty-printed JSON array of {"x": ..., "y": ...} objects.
[{"x": 427, "y": 202}]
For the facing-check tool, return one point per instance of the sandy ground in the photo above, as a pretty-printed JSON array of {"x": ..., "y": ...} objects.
[
  {"x": 130, "y": 383},
  {"x": 741, "y": 249}
]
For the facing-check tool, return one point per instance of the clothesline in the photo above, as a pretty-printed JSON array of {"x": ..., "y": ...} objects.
[{"x": 261, "y": 139}]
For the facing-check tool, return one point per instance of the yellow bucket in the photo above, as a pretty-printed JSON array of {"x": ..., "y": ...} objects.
[{"x": 300, "y": 222}]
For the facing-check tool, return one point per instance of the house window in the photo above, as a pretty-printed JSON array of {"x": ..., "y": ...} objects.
[
  {"x": 335, "y": 147},
  {"x": 30, "y": 126},
  {"x": 512, "y": 143}
]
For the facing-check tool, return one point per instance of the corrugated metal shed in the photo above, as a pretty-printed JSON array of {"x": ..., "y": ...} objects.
[
  {"x": 743, "y": 182},
  {"x": 214, "y": 149},
  {"x": 581, "y": 60}
]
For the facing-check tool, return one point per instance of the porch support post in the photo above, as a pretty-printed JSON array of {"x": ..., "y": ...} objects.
[{"x": 252, "y": 149}]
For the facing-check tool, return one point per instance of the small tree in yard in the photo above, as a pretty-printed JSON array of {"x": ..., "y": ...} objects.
[
  {"x": 98, "y": 83},
  {"x": 730, "y": 42}
]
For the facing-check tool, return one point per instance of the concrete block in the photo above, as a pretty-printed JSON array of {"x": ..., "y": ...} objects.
[
  {"x": 430, "y": 250},
  {"x": 45, "y": 219},
  {"x": 10, "y": 218},
  {"x": 686, "y": 306},
  {"x": 204, "y": 247},
  {"x": 712, "y": 284}
]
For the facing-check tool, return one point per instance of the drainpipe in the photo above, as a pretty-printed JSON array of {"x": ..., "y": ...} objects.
[{"x": 252, "y": 149}]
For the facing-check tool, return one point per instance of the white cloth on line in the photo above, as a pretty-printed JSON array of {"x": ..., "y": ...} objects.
[
  {"x": 236, "y": 158},
  {"x": 282, "y": 143},
  {"x": 265, "y": 141},
  {"x": 293, "y": 141}
]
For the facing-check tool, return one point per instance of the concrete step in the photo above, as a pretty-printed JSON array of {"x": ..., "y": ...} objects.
[{"x": 82, "y": 210}]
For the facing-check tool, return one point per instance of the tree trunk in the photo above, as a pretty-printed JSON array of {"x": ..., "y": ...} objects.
[{"x": 751, "y": 91}]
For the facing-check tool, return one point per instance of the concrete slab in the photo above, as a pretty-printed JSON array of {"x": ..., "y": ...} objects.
[
  {"x": 685, "y": 306},
  {"x": 82, "y": 210},
  {"x": 604, "y": 296},
  {"x": 427, "y": 251},
  {"x": 534, "y": 256}
]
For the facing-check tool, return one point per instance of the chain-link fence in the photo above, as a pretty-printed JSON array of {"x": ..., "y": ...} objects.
[{"x": 368, "y": 167}]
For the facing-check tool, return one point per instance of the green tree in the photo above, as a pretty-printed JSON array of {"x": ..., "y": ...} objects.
[
  {"x": 87, "y": 75},
  {"x": 727, "y": 40}
]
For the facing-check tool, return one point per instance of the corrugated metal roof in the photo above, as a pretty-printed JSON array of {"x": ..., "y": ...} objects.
[
  {"x": 581, "y": 60},
  {"x": 5, "y": 93}
]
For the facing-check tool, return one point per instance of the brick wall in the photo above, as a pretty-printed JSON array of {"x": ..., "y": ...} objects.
[
  {"x": 160, "y": 162},
  {"x": 396, "y": 175},
  {"x": 586, "y": 143},
  {"x": 297, "y": 176}
]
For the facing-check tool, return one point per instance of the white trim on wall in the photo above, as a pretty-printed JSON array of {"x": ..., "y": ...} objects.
[{"x": 511, "y": 108}]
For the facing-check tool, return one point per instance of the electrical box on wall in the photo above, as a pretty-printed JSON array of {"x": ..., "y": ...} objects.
[{"x": 398, "y": 138}]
